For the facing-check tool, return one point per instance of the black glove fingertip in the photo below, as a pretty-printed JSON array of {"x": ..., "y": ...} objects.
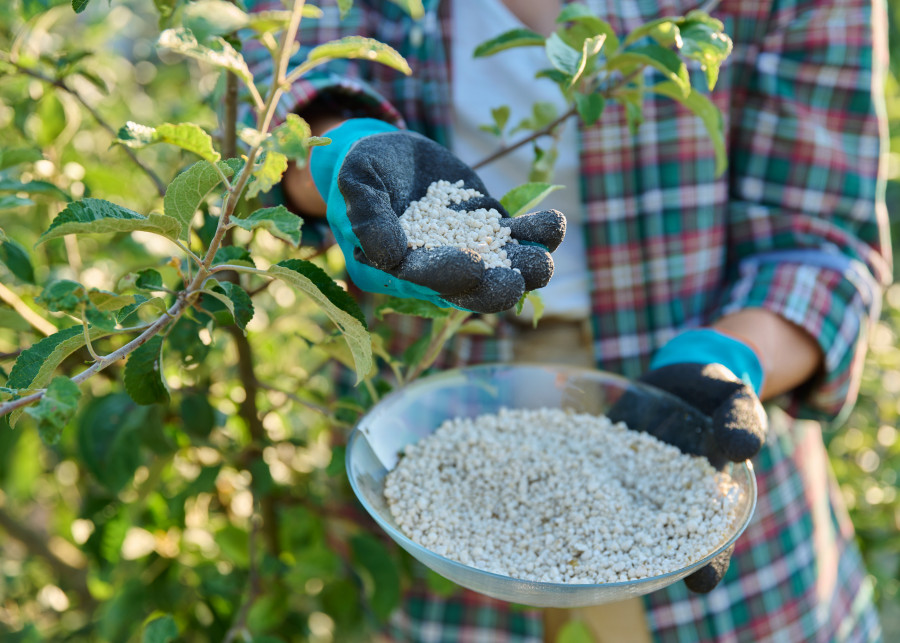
[
  {"x": 707, "y": 577},
  {"x": 547, "y": 228},
  {"x": 447, "y": 270},
  {"x": 534, "y": 264},
  {"x": 740, "y": 426},
  {"x": 499, "y": 290}
]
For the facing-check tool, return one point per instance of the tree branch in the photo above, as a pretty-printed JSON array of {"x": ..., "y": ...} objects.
[{"x": 60, "y": 84}]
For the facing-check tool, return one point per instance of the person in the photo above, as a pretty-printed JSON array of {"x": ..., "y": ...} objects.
[{"x": 774, "y": 269}]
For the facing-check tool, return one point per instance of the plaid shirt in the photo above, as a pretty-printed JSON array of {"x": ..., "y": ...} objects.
[{"x": 796, "y": 226}]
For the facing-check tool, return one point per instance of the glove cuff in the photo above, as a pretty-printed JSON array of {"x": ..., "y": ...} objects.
[
  {"x": 326, "y": 160},
  {"x": 708, "y": 346}
]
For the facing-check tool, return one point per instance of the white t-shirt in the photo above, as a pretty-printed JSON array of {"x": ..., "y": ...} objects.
[{"x": 507, "y": 78}]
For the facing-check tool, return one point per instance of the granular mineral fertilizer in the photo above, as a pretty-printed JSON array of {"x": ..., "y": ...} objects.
[
  {"x": 430, "y": 222},
  {"x": 556, "y": 496}
]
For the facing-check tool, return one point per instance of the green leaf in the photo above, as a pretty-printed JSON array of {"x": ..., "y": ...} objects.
[
  {"x": 56, "y": 408},
  {"x": 108, "y": 436},
  {"x": 707, "y": 46},
  {"x": 414, "y": 8},
  {"x": 440, "y": 585},
  {"x": 216, "y": 52},
  {"x": 79, "y": 5},
  {"x": 34, "y": 187},
  {"x": 10, "y": 202},
  {"x": 372, "y": 556},
  {"x": 160, "y": 630},
  {"x": 542, "y": 114},
  {"x": 543, "y": 164},
  {"x": 703, "y": 18},
  {"x": 184, "y": 339},
  {"x": 143, "y": 373},
  {"x": 187, "y": 136},
  {"x": 708, "y": 113},
  {"x": 508, "y": 40},
  {"x": 589, "y": 50},
  {"x": 290, "y": 138},
  {"x": 278, "y": 221},
  {"x": 501, "y": 116},
  {"x": 207, "y": 18},
  {"x": 106, "y": 301},
  {"x": 359, "y": 47},
  {"x": 415, "y": 307},
  {"x": 663, "y": 60},
  {"x": 98, "y": 216},
  {"x": 574, "y": 632},
  {"x": 197, "y": 414},
  {"x": 268, "y": 173},
  {"x": 51, "y": 121},
  {"x": 340, "y": 307},
  {"x": 667, "y": 34},
  {"x": 649, "y": 28},
  {"x": 236, "y": 300},
  {"x": 581, "y": 14},
  {"x": 234, "y": 255},
  {"x": 148, "y": 279},
  {"x": 35, "y": 365},
  {"x": 344, "y": 6},
  {"x": 263, "y": 22},
  {"x": 562, "y": 56},
  {"x": 589, "y": 107},
  {"x": 12, "y": 320},
  {"x": 16, "y": 156},
  {"x": 189, "y": 189},
  {"x": 524, "y": 198},
  {"x": 63, "y": 296},
  {"x": 17, "y": 261}
]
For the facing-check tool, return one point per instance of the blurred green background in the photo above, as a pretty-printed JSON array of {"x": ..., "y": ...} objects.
[{"x": 137, "y": 85}]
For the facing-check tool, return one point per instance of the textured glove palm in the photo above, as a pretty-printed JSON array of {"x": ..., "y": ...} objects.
[{"x": 381, "y": 171}]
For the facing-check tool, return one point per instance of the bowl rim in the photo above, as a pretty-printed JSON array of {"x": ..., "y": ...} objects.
[{"x": 410, "y": 545}]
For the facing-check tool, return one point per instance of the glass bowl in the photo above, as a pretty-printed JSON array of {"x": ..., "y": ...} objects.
[{"x": 413, "y": 412}]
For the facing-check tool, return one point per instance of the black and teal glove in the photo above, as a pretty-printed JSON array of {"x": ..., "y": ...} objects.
[
  {"x": 719, "y": 378},
  {"x": 368, "y": 176}
]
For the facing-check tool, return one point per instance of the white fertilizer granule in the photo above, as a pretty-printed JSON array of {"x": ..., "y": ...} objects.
[
  {"x": 431, "y": 223},
  {"x": 556, "y": 496}
]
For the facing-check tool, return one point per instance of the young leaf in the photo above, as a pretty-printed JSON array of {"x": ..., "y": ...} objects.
[
  {"x": 649, "y": 28},
  {"x": 414, "y": 8},
  {"x": 216, "y": 52},
  {"x": 143, "y": 373},
  {"x": 236, "y": 300},
  {"x": 187, "y": 136},
  {"x": 340, "y": 307},
  {"x": 290, "y": 138},
  {"x": 359, "y": 47},
  {"x": 589, "y": 107},
  {"x": 708, "y": 113},
  {"x": 79, "y": 5},
  {"x": 63, "y": 296},
  {"x": 415, "y": 307},
  {"x": 703, "y": 18},
  {"x": 107, "y": 302},
  {"x": 34, "y": 187},
  {"x": 148, "y": 279},
  {"x": 268, "y": 173},
  {"x": 710, "y": 48},
  {"x": 278, "y": 221},
  {"x": 55, "y": 408},
  {"x": 96, "y": 215},
  {"x": 185, "y": 194},
  {"x": 589, "y": 50},
  {"x": 207, "y": 18},
  {"x": 344, "y": 6},
  {"x": 575, "y": 632},
  {"x": 35, "y": 365},
  {"x": 582, "y": 15},
  {"x": 17, "y": 261},
  {"x": 501, "y": 117},
  {"x": 525, "y": 197},
  {"x": 263, "y": 22},
  {"x": 562, "y": 56},
  {"x": 507, "y": 40},
  {"x": 664, "y": 60}
]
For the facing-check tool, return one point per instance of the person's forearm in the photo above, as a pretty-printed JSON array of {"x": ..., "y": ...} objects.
[
  {"x": 789, "y": 355},
  {"x": 299, "y": 189}
]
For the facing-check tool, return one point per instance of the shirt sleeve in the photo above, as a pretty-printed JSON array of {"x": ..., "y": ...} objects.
[{"x": 807, "y": 221}]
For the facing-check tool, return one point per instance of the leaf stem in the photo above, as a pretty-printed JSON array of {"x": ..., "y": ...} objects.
[
  {"x": 451, "y": 325},
  {"x": 87, "y": 334}
]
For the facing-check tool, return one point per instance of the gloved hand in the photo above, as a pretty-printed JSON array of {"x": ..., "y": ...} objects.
[
  {"x": 370, "y": 173},
  {"x": 719, "y": 377}
]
